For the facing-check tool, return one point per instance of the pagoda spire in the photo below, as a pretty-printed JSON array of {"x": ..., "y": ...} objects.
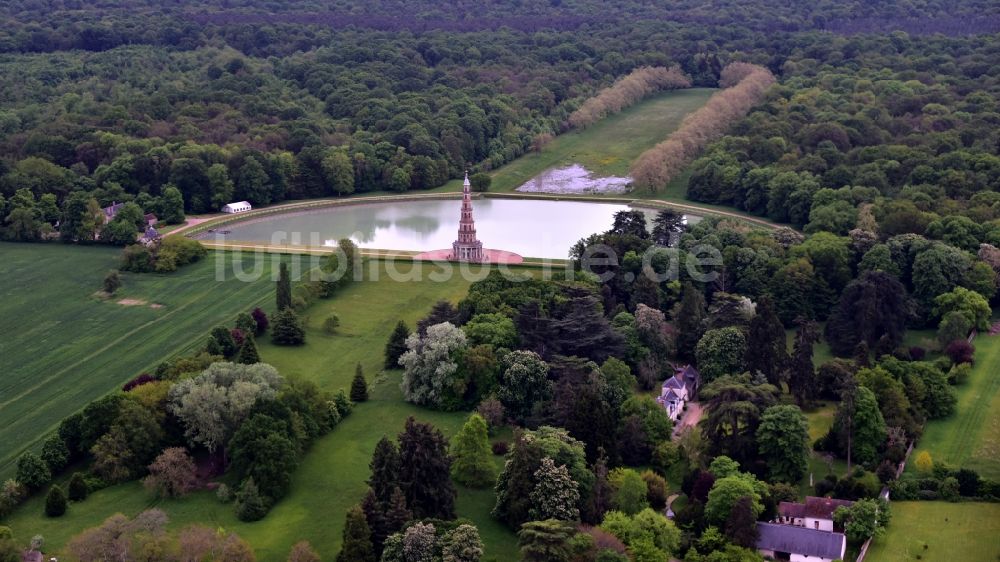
[{"x": 467, "y": 247}]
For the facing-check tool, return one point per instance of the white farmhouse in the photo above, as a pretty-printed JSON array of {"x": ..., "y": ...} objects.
[
  {"x": 237, "y": 207},
  {"x": 815, "y": 513},
  {"x": 678, "y": 390},
  {"x": 799, "y": 544}
]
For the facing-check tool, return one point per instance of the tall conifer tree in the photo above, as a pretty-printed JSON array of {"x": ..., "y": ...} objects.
[
  {"x": 357, "y": 545},
  {"x": 425, "y": 471},
  {"x": 283, "y": 295},
  {"x": 766, "y": 347}
]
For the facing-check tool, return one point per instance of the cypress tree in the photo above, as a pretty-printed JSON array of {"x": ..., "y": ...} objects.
[
  {"x": 357, "y": 544},
  {"x": 248, "y": 351},
  {"x": 55, "y": 502},
  {"x": 359, "y": 388},
  {"x": 600, "y": 495},
  {"x": 766, "y": 348},
  {"x": 802, "y": 379},
  {"x": 78, "y": 488},
  {"x": 283, "y": 295},
  {"x": 287, "y": 328},
  {"x": 425, "y": 471},
  {"x": 396, "y": 346},
  {"x": 690, "y": 320},
  {"x": 470, "y": 449},
  {"x": 375, "y": 517},
  {"x": 397, "y": 515},
  {"x": 385, "y": 470}
]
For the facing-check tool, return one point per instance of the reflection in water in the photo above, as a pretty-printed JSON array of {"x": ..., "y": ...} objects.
[
  {"x": 422, "y": 226},
  {"x": 541, "y": 229}
]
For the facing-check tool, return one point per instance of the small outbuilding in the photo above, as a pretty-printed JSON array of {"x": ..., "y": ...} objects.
[{"x": 237, "y": 207}]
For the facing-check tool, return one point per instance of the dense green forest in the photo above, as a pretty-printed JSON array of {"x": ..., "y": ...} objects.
[
  {"x": 826, "y": 345},
  {"x": 273, "y": 101}
]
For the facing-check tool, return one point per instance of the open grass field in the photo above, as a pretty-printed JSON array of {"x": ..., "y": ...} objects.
[
  {"x": 971, "y": 437},
  {"x": 332, "y": 475},
  {"x": 608, "y": 147},
  {"x": 956, "y": 532},
  {"x": 63, "y": 346}
]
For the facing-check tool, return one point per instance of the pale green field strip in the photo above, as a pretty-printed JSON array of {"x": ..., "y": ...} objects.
[{"x": 970, "y": 438}]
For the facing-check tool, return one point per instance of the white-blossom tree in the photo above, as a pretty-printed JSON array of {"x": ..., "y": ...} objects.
[
  {"x": 213, "y": 404},
  {"x": 429, "y": 363}
]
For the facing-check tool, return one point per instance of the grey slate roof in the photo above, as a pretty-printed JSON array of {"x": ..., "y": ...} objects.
[
  {"x": 673, "y": 382},
  {"x": 799, "y": 540}
]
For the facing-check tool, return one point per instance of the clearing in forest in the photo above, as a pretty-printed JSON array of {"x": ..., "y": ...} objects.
[
  {"x": 970, "y": 438},
  {"x": 606, "y": 148}
]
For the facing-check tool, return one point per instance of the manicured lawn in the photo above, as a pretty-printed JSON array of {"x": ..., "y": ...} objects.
[
  {"x": 63, "y": 346},
  {"x": 951, "y": 531},
  {"x": 368, "y": 312},
  {"x": 971, "y": 437},
  {"x": 820, "y": 420},
  {"x": 332, "y": 475}
]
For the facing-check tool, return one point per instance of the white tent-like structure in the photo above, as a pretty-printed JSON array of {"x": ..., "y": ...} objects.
[{"x": 237, "y": 207}]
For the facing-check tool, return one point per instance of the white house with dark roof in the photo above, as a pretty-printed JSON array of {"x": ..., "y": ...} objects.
[
  {"x": 678, "y": 390},
  {"x": 815, "y": 513},
  {"x": 799, "y": 544}
]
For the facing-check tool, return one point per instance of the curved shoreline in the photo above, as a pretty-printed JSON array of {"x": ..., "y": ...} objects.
[{"x": 311, "y": 205}]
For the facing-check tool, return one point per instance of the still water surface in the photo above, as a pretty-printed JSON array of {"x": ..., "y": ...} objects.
[{"x": 541, "y": 229}]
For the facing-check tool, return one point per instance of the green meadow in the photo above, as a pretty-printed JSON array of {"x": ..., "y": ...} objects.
[
  {"x": 64, "y": 345},
  {"x": 971, "y": 437},
  {"x": 939, "y": 531},
  {"x": 332, "y": 475}
]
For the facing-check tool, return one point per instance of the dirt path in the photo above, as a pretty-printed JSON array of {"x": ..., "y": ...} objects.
[
  {"x": 690, "y": 418},
  {"x": 192, "y": 222}
]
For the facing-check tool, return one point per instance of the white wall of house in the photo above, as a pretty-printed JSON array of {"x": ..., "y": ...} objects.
[
  {"x": 821, "y": 524},
  {"x": 801, "y": 558}
]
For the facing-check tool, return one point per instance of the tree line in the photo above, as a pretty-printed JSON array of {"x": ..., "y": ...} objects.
[
  {"x": 745, "y": 85},
  {"x": 627, "y": 91}
]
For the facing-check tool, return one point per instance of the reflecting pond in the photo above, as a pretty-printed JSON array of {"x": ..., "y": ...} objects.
[{"x": 540, "y": 229}]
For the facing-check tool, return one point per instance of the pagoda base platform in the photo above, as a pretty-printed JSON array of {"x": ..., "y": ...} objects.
[{"x": 491, "y": 256}]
